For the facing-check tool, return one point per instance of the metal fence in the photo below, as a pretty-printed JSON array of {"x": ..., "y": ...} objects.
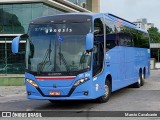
[{"x": 11, "y": 63}]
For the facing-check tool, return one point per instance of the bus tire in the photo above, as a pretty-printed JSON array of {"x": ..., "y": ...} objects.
[
  {"x": 107, "y": 93},
  {"x": 139, "y": 83},
  {"x": 143, "y": 77}
]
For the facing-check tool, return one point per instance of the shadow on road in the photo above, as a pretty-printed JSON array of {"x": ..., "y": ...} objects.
[
  {"x": 79, "y": 104},
  {"x": 66, "y": 105}
]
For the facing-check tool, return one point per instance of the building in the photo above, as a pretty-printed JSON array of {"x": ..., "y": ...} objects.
[
  {"x": 143, "y": 24},
  {"x": 149, "y": 25},
  {"x": 15, "y": 16},
  {"x": 92, "y": 5},
  {"x": 155, "y": 54}
]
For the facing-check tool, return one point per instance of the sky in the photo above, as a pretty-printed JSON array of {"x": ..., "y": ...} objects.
[{"x": 132, "y": 10}]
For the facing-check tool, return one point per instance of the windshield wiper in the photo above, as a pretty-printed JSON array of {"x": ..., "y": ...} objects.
[
  {"x": 42, "y": 64},
  {"x": 64, "y": 61}
]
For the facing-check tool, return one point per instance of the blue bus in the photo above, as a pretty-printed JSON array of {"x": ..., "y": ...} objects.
[{"x": 83, "y": 56}]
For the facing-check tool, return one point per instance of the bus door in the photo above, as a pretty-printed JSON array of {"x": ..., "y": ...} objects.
[
  {"x": 98, "y": 56},
  {"x": 98, "y": 51}
]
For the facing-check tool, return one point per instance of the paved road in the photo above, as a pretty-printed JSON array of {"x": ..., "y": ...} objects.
[{"x": 146, "y": 98}]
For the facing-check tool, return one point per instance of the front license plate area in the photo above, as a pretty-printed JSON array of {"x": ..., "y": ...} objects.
[{"x": 54, "y": 93}]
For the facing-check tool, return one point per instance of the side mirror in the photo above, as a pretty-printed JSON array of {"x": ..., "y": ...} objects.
[
  {"x": 89, "y": 41},
  {"x": 15, "y": 44}
]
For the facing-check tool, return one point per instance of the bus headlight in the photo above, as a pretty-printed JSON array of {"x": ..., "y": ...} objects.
[
  {"x": 81, "y": 81},
  {"x": 32, "y": 83}
]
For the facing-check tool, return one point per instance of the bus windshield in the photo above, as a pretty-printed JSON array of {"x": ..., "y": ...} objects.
[{"x": 57, "y": 47}]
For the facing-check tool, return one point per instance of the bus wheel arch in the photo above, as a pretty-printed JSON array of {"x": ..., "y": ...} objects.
[
  {"x": 107, "y": 90},
  {"x": 144, "y": 73},
  {"x": 109, "y": 78}
]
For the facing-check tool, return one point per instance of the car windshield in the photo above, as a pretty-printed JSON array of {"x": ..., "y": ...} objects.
[{"x": 57, "y": 47}]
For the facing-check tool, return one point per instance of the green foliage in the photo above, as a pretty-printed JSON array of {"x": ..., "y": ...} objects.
[{"x": 154, "y": 35}]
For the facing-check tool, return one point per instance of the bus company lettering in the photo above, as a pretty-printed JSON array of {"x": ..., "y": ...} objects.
[
  {"x": 140, "y": 53},
  {"x": 54, "y": 30},
  {"x": 84, "y": 75},
  {"x": 63, "y": 30}
]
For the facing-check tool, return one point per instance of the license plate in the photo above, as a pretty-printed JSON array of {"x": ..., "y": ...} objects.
[{"x": 54, "y": 93}]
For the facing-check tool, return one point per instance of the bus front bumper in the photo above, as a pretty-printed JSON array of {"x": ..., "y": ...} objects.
[{"x": 82, "y": 92}]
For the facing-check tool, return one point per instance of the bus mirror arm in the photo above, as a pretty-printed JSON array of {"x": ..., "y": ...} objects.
[{"x": 24, "y": 36}]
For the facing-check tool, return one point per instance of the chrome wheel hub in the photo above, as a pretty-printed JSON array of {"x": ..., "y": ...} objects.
[
  {"x": 106, "y": 91},
  {"x": 139, "y": 80}
]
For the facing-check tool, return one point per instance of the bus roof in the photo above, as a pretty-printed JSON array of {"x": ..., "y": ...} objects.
[{"x": 78, "y": 17}]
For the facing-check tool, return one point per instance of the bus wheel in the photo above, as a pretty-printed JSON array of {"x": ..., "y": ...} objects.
[
  {"x": 107, "y": 93},
  {"x": 143, "y": 77},
  {"x": 139, "y": 83}
]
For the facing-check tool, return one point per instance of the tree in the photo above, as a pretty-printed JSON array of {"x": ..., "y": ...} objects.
[{"x": 154, "y": 35}]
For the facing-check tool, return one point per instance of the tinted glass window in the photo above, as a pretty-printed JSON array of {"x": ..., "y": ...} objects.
[
  {"x": 141, "y": 39},
  {"x": 137, "y": 38},
  {"x": 98, "y": 27},
  {"x": 112, "y": 36},
  {"x": 57, "y": 47},
  {"x": 125, "y": 39}
]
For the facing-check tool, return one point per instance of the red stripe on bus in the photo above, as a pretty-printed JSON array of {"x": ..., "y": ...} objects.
[{"x": 55, "y": 78}]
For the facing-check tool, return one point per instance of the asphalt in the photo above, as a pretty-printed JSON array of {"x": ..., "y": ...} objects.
[{"x": 11, "y": 90}]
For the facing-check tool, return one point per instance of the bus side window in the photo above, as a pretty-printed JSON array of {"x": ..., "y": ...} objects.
[
  {"x": 110, "y": 44},
  {"x": 112, "y": 34},
  {"x": 126, "y": 40},
  {"x": 110, "y": 41},
  {"x": 98, "y": 27}
]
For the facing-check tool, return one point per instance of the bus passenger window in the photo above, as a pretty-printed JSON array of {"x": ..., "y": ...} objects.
[
  {"x": 126, "y": 40},
  {"x": 110, "y": 41}
]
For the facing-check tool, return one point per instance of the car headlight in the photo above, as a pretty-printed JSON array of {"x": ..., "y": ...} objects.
[
  {"x": 81, "y": 81},
  {"x": 32, "y": 82}
]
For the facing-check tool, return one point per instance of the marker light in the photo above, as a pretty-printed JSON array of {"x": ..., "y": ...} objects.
[
  {"x": 32, "y": 82},
  {"x": 81, "y": 81}
]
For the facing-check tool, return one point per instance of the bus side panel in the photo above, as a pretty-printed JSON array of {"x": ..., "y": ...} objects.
[
  {"x": 142, "y": 60},
  {"x": 147, "y": 64},
  {"x": 115, "y": 64},
  {"x": 124, "y": 63},
  {"x": 98, "y": 85},
  {"x": 131, "y": 67}
]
